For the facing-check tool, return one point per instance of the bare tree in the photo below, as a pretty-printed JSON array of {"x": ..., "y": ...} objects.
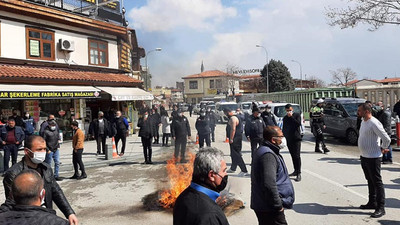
[
  {"x": 342, "y": 76},
  {"x": 230, "y": 82},
  {"x": 318, "y": 82},
  {"x": 373, "y": 12}
]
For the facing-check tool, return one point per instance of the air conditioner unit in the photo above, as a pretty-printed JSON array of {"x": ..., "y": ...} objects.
[{"x": 67, "y": 45}]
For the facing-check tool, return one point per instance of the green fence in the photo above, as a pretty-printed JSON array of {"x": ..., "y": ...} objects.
[{"x": 303, "y": 97}]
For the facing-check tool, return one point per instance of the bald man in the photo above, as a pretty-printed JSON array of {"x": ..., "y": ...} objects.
[{"x": 28, "y": 193}]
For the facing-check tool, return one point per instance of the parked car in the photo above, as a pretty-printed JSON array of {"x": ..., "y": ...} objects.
[
  {"x": 340, "y": 116},
  {"x": 219, "y": 110},
  {"x": 279, "y": 111},
  {"x": 204, "y": 104},
  {"x": 246, "y": 107}
]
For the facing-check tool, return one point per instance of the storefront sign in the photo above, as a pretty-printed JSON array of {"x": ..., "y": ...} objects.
[{"x": 47, "y": 94}]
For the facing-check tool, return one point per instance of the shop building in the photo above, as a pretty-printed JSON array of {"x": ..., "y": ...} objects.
[
  {"x": 213, "y": 84},
  {"x": 57, "y": 60}
]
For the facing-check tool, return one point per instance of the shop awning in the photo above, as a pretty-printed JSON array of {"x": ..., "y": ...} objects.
[
  {"x": 17, "y": 91},
  {"x": 127, "y": 93}
]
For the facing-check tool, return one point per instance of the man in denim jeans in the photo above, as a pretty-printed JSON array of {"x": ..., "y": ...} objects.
[{"x": 52, "y": 138}]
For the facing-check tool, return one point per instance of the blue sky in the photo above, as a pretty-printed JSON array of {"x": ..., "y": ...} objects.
[{"x": 221, "y": 32}]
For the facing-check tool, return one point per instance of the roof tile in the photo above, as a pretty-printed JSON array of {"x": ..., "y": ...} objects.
[{"x": 210, "y": 73}]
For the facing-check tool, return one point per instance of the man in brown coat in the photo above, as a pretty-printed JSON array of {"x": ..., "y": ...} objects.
[{"x": 77, "y": 146}]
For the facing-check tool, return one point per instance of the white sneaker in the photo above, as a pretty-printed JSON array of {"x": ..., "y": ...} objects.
[
  {"x": 230, "y": 171},
  {"x": 243, "y": 174}
]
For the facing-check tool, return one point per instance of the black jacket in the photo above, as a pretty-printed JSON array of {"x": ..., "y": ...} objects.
[
  {"x": 271, "y": 188},
  {"x": 146, "y": 127},
  {"x": 269, "y": 118},
  {"x": 196, "y": 208},
  {"x": 211, "y": 116},
  {"x": 94, "y": 128},
  {"x": 254, "y": 127},
  {"x": 385, "y": 117},
  {"x": 180, "y": 127},
  {"x": 30, "y": 215},
  {"x": 53, "y": 191},
  {"x": 18, "y": 121},
  {"x": 155, "y": 121},
  {"x": 51, "y": 137},
  {"x": 203, "y": 125},
  {"x": 291, "y": 127}
]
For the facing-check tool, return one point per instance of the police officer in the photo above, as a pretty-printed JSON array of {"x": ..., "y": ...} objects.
[
  {"x": 254, "y": 129},
  {"x": 203, "y": 129},
  {"x": 180, "y": 130},
  {"x": 317, "y": 115},
  {"x": 212, "y": 118},
  {"x": 268, "y": 117}
]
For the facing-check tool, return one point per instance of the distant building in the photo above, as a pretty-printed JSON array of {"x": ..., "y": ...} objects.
[
  {"x": 252, "y": 84},
  {"x": 304, "y": 84},
  {"x": 386, "y": 90},
  {"x": 213, "y": 84}
]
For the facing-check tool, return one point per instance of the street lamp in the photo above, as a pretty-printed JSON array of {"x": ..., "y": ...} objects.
[
  {"x": 266, "y": 53},
  {"x": 301, "y": 74},
  {"x": 147, "y": 68}
]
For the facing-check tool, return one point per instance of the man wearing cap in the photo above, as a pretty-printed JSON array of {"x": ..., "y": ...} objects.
[
  {"x": 99, "y": 130},
  {"x": 318, "y": 124},
  {"x": 180, "y": 130},
  {"x": 203, "y": 129},
  {"x": 268, "y": 117},
  {"x": 254, "y": 129},
  {"x": 234, "y": 130}
]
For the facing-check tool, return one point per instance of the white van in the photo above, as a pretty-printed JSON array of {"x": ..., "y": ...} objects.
[
  {"x": 279, "y": 112},
  {"x": 219, "y": 110}
]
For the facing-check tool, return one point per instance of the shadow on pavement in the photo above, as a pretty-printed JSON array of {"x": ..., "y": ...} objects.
[
  {"x": 387, "y": 186},
  {"x": 318, "y": 209},
  {"x": 388, "y": 222},
  {"x": 348, "y": 161},
  {"x": 391, "y": 169}
]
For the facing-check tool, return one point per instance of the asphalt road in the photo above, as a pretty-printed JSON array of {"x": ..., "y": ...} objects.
[{"x": 332, "y": 188}]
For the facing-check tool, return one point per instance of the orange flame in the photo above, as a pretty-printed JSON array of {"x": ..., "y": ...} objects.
[{"x": 180, "y": 176}]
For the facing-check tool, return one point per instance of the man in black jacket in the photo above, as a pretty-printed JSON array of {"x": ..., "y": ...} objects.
[
  {"x": 385, "y": 117},
  {"x": 196, "y": 205},
  {"x": 291, "y": 130},
  {"x": 28, "y": 193},
  {"x": 121, "y": 126},
  {"x": 156, "y": 120},
  {"x": 203, "y": 129},
  {"x": 35, "y": 153},
  {"x": 271, "y": 188},
  {"x": 180, "y": 130},
  {"x": 254, "y": 129},
  {"x": 99, "y": 129},
  {"x": 268, "y": 117},
  {"x": 52, "y": 138},
  {"x": 145, "y": 133}
]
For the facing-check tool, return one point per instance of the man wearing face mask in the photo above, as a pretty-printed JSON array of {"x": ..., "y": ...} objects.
[
  {"x": 271, "y": 188},
  {"x": 254, "y": 129},
  {"x": 99, "y": 129},
  {"x": 145, "y": 133},
  {"x": 234, "y": 130},
  {"x": 35, "y": 153},
  {"x": 11, "y": 138},
  {"x": 203, "y": 129},
  {"x": 52, "y": 138},
  {"x": 180, "y": 130},
  {"x": 196, "y": 205},
  {"x": 291, "y": 130},
  {"x": 211, "y": 117},
  {"x": 268, "y": 117},
  {"x": 29, "y": 194},
  {"x": 46, "y": 123}
]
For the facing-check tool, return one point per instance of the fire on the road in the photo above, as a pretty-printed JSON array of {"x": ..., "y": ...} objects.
[{"x": 179, "y": 176}]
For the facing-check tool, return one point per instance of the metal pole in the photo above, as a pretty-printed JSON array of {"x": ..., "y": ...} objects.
[
  {"x": 301, "y": 74},
  {"x": 266, "y": 53},
  {"x": 147, "y": 68}
]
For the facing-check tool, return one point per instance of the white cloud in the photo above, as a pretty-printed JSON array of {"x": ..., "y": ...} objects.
[{"x": 161, "y": 15}]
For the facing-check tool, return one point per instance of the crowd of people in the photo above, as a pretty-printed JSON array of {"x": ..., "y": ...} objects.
[{"x": 31, "y": 183}]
